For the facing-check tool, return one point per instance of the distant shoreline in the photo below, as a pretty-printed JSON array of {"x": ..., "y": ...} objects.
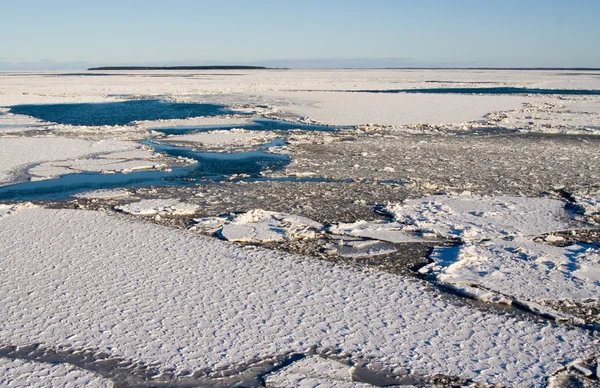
[
  {"x": 240, "y": 67},
  {"x": 183, "y": 68}
]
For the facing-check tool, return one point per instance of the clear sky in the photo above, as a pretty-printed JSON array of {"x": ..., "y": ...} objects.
[{"x": 37, "y": 34}]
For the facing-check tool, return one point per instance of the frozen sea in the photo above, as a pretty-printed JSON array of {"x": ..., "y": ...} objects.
[{"x": 331, "y": 228}]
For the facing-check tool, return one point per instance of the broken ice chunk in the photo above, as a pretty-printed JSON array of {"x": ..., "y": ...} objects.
[
  {"x": 168, "y": 206},
  {"x": 384, "y": 231}
]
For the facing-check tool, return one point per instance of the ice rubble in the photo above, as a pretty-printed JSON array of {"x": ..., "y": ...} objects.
[
  {"x": 164, "y": 206},
  {"x": 473, "y": 217},
  {"x": 92, "y": 280},
  {"x": 20, "y": 152},
  {"x": 261, "y": 226},
  {"x": 16, "y": 373},
  {"x": 590, "y": 205}
]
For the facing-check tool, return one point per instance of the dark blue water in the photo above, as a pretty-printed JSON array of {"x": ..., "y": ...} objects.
[
  {"x": 210, "y": 167},
  {"x": 493, "y": 90},
  {"x": 256, "y": 125},
  {"x": 117, "y": 113}
]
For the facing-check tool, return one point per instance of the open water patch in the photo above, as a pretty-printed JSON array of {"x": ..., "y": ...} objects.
[
  {"x": 255, "y": 125},
  {"x": 210, "y": 166},
  {"x": 118, "y": 113},
  {"x": 489, "y": 90}
]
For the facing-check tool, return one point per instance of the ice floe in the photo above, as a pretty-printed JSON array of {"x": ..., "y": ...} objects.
[
  {"x": 359, "y": 248},
  {"x": 472, "y": 217},
  {"x": 522, "y": 269},
  {"x": 261, "y": 226},
  {"x": 385, "y": 231},
  {"x": 91, "y": 280},
  {"x": 234, "y": 137},
  {"x": 105, "y": 194},
  {"x": 166, "y": 206},
  {"x": 15, "y": 373},
  {"x": 16, "y": 153}
]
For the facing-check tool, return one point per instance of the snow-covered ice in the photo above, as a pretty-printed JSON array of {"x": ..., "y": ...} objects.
[
  {"x": 224, "y": 138},
  {"x": 16, "y": 373},
  {"x": 166, "y": 206},
  {"x": 522, "y": 269},
  {"x": 472, "y": 217},
  {"x": 314, "y": 371},
  {"x": 89, "y": 280},
  {"x": 20, "y": 152},
  {"x": 262, "y": 226},
  {"x": 105, "y": 194}
]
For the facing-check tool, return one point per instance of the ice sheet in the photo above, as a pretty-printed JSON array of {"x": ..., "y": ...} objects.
[
  {"x": 18, "y": 373},
  {"x": 90, "y": 280}
]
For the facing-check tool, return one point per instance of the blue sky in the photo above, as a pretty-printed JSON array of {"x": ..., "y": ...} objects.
[{"x": 69, "y": 34}]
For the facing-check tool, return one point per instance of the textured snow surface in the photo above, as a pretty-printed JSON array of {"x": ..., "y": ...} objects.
[
  {"x": 314, "y": 371},
  {"x": 471, "y": 217},
  {"x": 384, "y": 231},
  {"x": 21, "y": 152},
  {"x": 147, "y": 207},
  {"x": 90, "y": 280},
  {"x": 262, "y": 226},
  {"x": 523, "y": 269},
  {"x": 25, "y": 374},
  {"x": 336, "y": 108}
]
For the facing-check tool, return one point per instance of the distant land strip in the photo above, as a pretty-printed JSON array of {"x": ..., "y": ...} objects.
[{"x": 183, "y": 68}]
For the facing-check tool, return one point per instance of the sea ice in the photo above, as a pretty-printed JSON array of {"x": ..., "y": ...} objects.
[
  {"x": 16, "y": 373},
  {"x": 472, "y": 217},
  {"x": 20, "y": 152},
  {"x": 263, "y": 226},
  {"x": 314, "y": 371},
  {"x": 90, "y": 280},
  {"x": 166, "y": 206},
  {"x": 522, "y": 269},
  {"x": 234, "y": 137},
  {"x": 105, "y": 194},
  {"x": 385, "y": 231}
]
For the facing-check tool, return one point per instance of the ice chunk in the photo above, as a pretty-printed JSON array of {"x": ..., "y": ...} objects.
[
  {"x": 385, "y": 231},
  {"x": 362, "y": 248},
  {"x": 266, "y": 226},
  {"x": 105, "y": 194},
  {"x": 167, "y": 206}
]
